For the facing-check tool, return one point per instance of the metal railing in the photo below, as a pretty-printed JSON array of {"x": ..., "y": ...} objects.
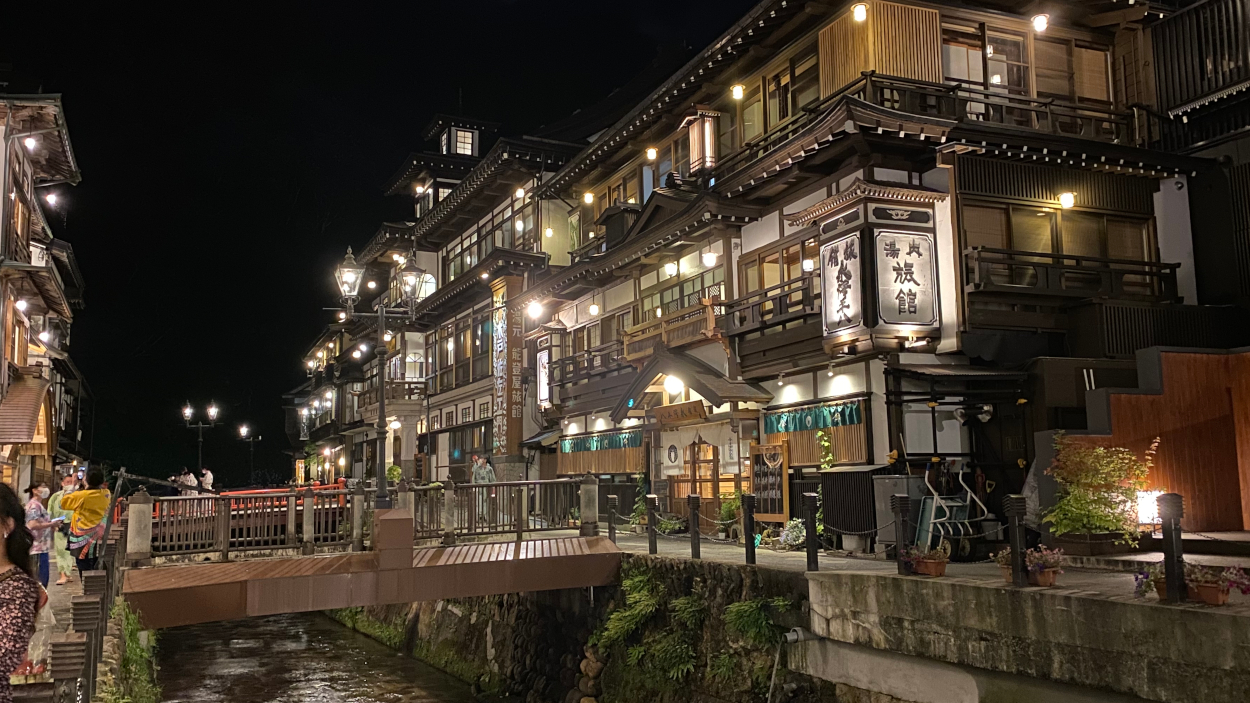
[
  {"x": 1011, "y": 271},
  {"x": 395, "y": 390},
  {"x": 427, "y": 512},
  {"x": 514, "y": 507},
  {"x": 250, "y": 521},
  {"x": 687, "y": 326}
]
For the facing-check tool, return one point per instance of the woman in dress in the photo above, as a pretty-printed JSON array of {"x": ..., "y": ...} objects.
[
  {"x": 60, "y": 535},
  {"x": 20, "y": 595},
  {"x": 40, "y": 525}
]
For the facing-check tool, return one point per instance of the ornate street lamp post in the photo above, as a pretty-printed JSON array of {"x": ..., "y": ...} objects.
[
  {"x": 187, "y": 413},
  {"x": 348, "y": 276},
  {"x": 245, "y": 435}
]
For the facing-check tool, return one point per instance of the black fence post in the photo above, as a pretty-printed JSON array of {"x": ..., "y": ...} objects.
[
  {"x": 813, "y": 539},
  {"x": 1014, "y": 505},
  {"x": 748, "y": 524},
  {"x": 653, "y": 504},
  {"x": 612, "y": 503},
  {"x": 693, "y": 499},
  {"x": 900, "y": 504},
  {"x": 1171, "y": 510}
]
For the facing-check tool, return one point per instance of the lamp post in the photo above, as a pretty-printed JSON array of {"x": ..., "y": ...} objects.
[
  {"x": 245, "y": 435},
  {"x": 348, "y": 276},
  {"x": 187, "y": 413}
]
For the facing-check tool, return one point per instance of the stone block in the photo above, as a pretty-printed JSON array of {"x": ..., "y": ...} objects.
[{"x": 392, "y": 529}]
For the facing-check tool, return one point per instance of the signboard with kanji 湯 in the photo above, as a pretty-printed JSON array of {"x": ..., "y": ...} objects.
[{"x": 906, "y": 280}]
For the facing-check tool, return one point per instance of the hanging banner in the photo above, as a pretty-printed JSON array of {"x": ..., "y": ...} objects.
[
  {"x": 627, "y": 439},
  {"x": 840, "y": 281},
  {"x": 814, "y": 417},
  {"x": 906, "y": 283},
  {"x": 543, "y": 360}
]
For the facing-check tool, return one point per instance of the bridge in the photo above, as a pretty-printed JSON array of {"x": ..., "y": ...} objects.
[{"x": 195, "y": 559}]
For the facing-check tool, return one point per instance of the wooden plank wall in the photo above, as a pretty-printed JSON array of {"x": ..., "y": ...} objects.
[
  {"x": 844, "y": 53},
  {"x": 850, "y": 445},
  {"x": 630, "y": 460},
  {"x": 1203, "y": 421},
  {"x": 906, "y": 41}
]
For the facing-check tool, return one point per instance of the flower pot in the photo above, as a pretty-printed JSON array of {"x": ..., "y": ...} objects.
[
  {"x": 1006, "y": 573},
  {"x": 929, "y": 567},
  {"x": 1208, "y": 593},
  {"x": 1045, "y": 577},
  {"x": 1161, "y": 587},
  {"x": 721, "y": 534}
]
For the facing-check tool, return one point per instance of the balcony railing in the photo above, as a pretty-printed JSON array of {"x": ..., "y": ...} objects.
[
  {"x": 951, "y": 102},
  {"x": 586, "y": 365},
  {"x": 1065, "y": 275},
  {"x": 689, "y": 326},
  {"x": 713, "y": 293},
  {"x": 773, "y": 306},
  {"x": 395, "y": 390}
]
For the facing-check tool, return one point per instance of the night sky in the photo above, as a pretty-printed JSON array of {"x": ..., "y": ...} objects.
[{"x": 229, "y": 157}]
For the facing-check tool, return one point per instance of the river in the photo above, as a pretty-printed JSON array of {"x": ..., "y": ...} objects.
[{"x": 305, "y": 657}]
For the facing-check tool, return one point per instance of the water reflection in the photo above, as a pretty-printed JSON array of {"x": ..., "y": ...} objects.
[{"x": 304, "y": 657}]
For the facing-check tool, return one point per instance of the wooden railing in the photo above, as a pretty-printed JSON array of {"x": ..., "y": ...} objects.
[
  {"x": 684, "y": 327},
  {"x": 773, "y": 306},
  {"x": 1011, "y": 271},
  {"x": 515, "y": 506},
  {"x": 951, "y": 102},
  {"x": 583, "y": 366},
  {"x": 395, "y": 390}
]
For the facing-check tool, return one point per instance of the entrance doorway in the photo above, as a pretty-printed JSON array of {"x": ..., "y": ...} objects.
[{"x": 702, "y": 475}]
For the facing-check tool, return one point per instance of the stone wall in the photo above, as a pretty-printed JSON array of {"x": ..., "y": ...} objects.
[{"x": 1161, "y": 653}]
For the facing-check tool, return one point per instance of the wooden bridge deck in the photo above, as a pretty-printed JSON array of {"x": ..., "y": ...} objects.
[{"x": 186, "y": 594}]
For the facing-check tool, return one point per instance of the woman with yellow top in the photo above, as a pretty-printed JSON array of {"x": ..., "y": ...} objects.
[{"x": 86, "y": 530}]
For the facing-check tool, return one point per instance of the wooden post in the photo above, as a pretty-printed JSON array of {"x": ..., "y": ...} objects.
[
  {"x": 900, "y": 505},
  {"x": 221, "y": 516},
  {"x": 748, "y": 524},
  {"x": 139, "y": 527},
  {"x": 653, "y": 504},
  {"x": 310, "y": 526},
  {"x": 813, "y": 538},
  {"x": 693, "y": 501},
  {"x": 613, "y": 501},
  {"x": 358, "y": 517},
  {"x": 449, "y": 513},
  {"x": 518, "y": 511},
  {"x": 1014, "y": 506},
  {"x": 292, "y": 506},
  {"x": 1171, "y": 510}
]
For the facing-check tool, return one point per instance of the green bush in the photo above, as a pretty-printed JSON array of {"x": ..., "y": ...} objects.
[
  {"x": 136, "y": 682},
  {"x": 1097, "y": 488},
  {"x": 752, "y": 620}
]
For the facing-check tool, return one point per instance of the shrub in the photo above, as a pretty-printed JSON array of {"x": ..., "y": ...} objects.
[{"x": 1098, "y": 488}]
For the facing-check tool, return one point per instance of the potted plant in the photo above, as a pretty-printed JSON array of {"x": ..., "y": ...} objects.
[
  {"x": 793, "y": 535},
  {"x": 1150, "y": 578},
  {"x": 1211, "y": 584},
  {"x": 728, "y": 514},
  {"x": 1044, "y": 565},
  {"x": 638, "y": 518},
  {"x": 926, "y": 562},
  {"x": 1098, "y": 486}
]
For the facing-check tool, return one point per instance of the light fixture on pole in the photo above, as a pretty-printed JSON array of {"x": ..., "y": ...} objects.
[
  {"x": 245, "y": 435},
  {"x": 199, "y": 426},
  {"x": 348, "y": 276}
]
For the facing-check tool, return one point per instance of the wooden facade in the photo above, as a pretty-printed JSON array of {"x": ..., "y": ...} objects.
[
  {"x": 896, "y": 40},
  {"x": 630, "y": 460}
]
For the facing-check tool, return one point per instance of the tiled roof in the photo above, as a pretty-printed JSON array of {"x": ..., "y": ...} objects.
[{"x": 19, "y": 412}]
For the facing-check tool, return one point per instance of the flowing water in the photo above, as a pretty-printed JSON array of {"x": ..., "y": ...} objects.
[{"x": 306, "y": 657}]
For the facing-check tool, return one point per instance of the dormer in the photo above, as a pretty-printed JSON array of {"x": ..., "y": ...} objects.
[{"x": 460, "y": 136}]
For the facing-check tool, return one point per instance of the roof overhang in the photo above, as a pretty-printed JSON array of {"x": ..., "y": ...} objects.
[
  {"x": 1070, "y": 152},
  {"x": 19, "y": 412},
  {"x": 424, "y": 165},
  {"x": 42, "y": 282},
  {"x": 42, "y": 117},
  {"x": 470, "y": 287},
  {"x": 696, "y": 375}
]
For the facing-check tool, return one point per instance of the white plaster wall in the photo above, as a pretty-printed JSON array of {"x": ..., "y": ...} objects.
[
  {"x": 1176, "y": 243},
  {"x": 948, "y": 261},
  {"x": 875, "y": 384},
  {"x": 793, "y": 389},
  {"x": 800, "y": 205},
  {"x": 757, "y": 234},
  {"x": 845, "y": 380}
]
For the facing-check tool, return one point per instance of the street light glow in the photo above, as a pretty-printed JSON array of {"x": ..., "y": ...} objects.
[
  {"x": 395, "y": 424},
  {"x": 652, "y": 152},
  {"x": 329, "y": 395},
  {"x": 51, "y": 198},
  {"x": 737, "y": 91},
  {"x": 535, "y": 310},
  {"x": 212, "y": 412},
  {"x": 356, "y": 354},
  {"x": 593, "y": 309},
  {"x": 30, "y": 143},
  {"x": 312, "y": 364},
  {"x": 320, "y": 353},
  {"x": 243, "y": 430},
  {"x": 342, "y": 316},
  {"x": 372, "y": 284},
  {"x": 363, "y": 347},
  {"x": 187, "y": 412},
  {"x": 588, "y": 198}
]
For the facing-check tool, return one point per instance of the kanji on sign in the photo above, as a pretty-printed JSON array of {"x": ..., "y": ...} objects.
[
  {"x": 906, "y": 301},
  {"x": 905, "y": 273},
  {"x": 891, "y": 249},
  {"x": 913, "y": 249}
]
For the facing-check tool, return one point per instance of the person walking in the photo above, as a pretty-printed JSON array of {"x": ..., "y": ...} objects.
[
  {"x": 483, "y": 473},
  {"x": 60, "y": 536},
  {"x": 20, "y": 595},
  {"x": 86, "y": 530},
  {"x": 206, "y": 479},
  {"x": 187, "y": 478},
  {"x": 40, "y": 525}
]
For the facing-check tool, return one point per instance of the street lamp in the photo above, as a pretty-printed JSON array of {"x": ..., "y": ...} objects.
[
  {"x": 245, "y": 435},
  {"x": 187, "y": 413},
  {"x": 410, "y": 274}
]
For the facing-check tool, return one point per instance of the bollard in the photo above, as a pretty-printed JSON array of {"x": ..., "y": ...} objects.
[
  {"x": 653, "y": 504},
  {"x": 310, "y": 526},
  {"x": 292, "y": 507},
  {"x": 589, "y": 506},
  {"x": 358, "y": 517},
  {"x": 85, "y": 616},
  {"x": 748, "y": 524},
  {"x": 403, "y": 496},
  {"x": 1171, "y": 510},
  {"x": 613, "y": 501},
  {"x": 221, "y": 522},
  {"x": 139, "y": 527},
  {"x": 813, "y": 538},
  {"x": 449, "y": 513},
  {"x": 693, "y": 500},
  {"x": 67, "y": 664},
  {"x": 900, "y": 505},
  {"x": 518, "y": 511},
  {"x": 1014, "y": 506}
]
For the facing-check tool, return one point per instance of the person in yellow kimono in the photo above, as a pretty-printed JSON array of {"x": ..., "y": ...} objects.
[{"x": 64, "y": 561}]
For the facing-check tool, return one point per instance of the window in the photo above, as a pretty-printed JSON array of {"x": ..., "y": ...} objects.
[
  {"x": 1008, "y": 65},
  {"x": 435, "y": 422},
  {"x": 963, "y": 56},
  {"x": 778, "y": 102},
  {"x": 752, "y": 115},
  {"x": 443, "y": 192},
  {"x": 1071, "y": 72},
  {"x": 483, "y": 411},
  {"x": 466, "y": 414},
  {"x": 451, "y": 418},
  {"x": 464, "y": 142},
  {"x": 806, "y": 81},
  {"x": 442, "y": 143},
  {"x": 681, "y": 156}
]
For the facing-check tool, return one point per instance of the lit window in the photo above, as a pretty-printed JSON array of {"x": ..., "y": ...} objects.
[
  {"x": 483, "y": 411},
  {"x": 443, "y": 193},
  {"x": 464, "y": 142},
  {"x": 466, "y": 414}
]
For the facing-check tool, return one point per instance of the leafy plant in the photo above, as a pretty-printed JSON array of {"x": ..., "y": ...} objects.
[
  {"x": 914, "y": 553},
  {"x": 136, "y": 680},
  {"x": 671, "y": 654},
  {"x": 1098, "y": 488},
  {"x": 640, "y": 501},
  {"x": 794, "y": 534},
  {"x": 1229, "y": 578},
  {"x": 394, "y": 473},
  {"x": 643, "y": 597},
  {"x": 1036, "y": 559},
  {"x": 670, "y": 525},
  {"x": 752, "y": 620},
  {"x": 721, "y": 667},
  {"x": 1144, "y": 580},
  {"x": 729, "y": 508},
  {"x": 689, "y": 610}
]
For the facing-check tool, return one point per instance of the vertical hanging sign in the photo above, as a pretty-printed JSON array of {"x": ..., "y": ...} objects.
[
  {"x": 840, "y": 284},
  {"x": 507, "y": 354},
  {"x": 543, "y": 361},
  {"x": 906, "y": 285}
]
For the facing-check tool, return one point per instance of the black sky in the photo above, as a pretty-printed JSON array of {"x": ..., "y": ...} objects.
[{"x": 230, "y": 155}]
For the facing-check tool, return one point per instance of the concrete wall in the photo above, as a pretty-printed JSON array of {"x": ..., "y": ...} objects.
[{"x": 1159, "y": 653}]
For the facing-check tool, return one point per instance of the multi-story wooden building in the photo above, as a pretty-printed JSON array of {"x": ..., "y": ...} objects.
[{"x": 879, "y": 221}]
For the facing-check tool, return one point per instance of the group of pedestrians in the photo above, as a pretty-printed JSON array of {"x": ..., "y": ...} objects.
[
  {"x": 68, "y": 524},
  {"x": 187, "y": 478}
]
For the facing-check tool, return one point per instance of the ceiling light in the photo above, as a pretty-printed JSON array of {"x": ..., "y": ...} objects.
[
  {"x": 809, "y": 265},
  {"x": 859, "y": 12},
  {"x": 395, "y": 424},
  {"x": 548, "y": 232},
  {"x": 30, "y": 143},
  {"x": 387, "y": 337},
  {"x": 320, "y": 354},
  {"x": 420, "y": 190},
  {"x": 329, "y": 395},
  {"x": 20, "y": 305},
  {"x": 326, "y": 451},
  {"x": 520, "y": 193},
  {"x": 342, "y": 461},
  {"x": 588, "y": 198},
  {"x": 485, "y": 276},
  {"x": 363, "y": 347},
  {"x": 781, "y": 380},
  {"x": 670, "y": 269},
  {"x": 535, "y": 310},
  {"x": 652, "y": 152},
  {"x": 1040, "y": 22},
  {"x": 1067, "y": 200},
  {"x": 659, "y": 312},
  {"x": 356, "y": 354},
  {"x": 831, "y": 371},
  {"x": 45, "y": 336},
  {"x": 520, "y": 225},
  {"x": 312, "y": 364},
  {"x": 51, "y": 198},
  {"x": 342, "y": 316},
  {"x": 593, "y": 309},
  {"x": 737, "y": 91},
  {"x": 673, "y": 385},
  {"x": 709, "y": 258}
]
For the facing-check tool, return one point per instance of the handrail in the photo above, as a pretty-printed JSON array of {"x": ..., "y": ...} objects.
[{"x": 1072, "y": 257}]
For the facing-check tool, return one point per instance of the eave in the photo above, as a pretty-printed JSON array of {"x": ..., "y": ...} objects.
[
  {"x": 43, "y": 116},
  {"x": 42, "y": 281},
  {"x": 472, "y": 286}
]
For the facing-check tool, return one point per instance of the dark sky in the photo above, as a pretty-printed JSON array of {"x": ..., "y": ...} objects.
[{"x": 230, "y": 155}]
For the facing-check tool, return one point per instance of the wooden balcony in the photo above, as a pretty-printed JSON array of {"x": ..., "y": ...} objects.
[
  {"x": 587, "y": 365},
  {"x": 1067, "y": 276},
  {"x": 687, "y": 327},
  {"x": 774, "y": 306},
  {"x": 396, "y": 391}
]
